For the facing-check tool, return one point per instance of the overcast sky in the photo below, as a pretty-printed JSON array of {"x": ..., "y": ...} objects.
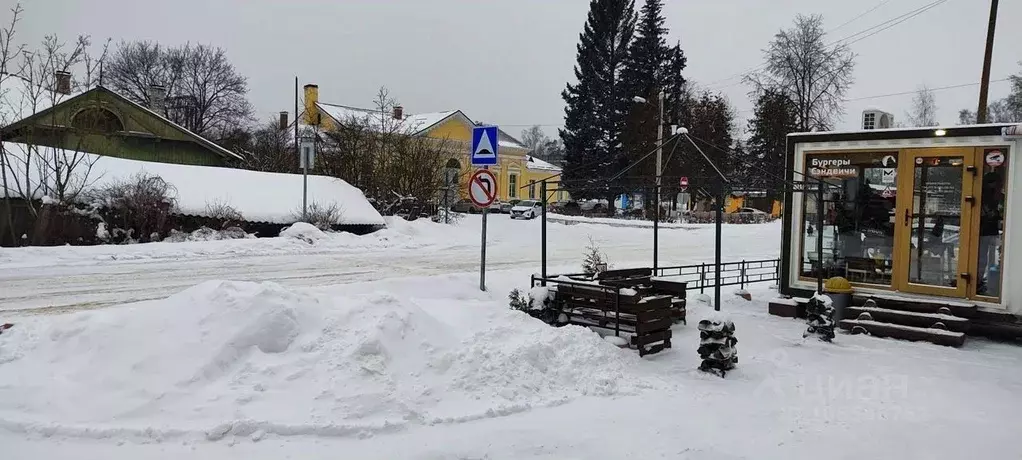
[{"x": 506, "y": 61}]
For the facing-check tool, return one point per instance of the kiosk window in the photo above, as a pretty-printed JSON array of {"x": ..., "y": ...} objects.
[{"x": 858, "y": 217}]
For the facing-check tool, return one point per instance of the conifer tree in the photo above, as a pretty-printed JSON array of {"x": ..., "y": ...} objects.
[
  {"x": 597, "y": 103},
  {"x": 775, "y": 116}
]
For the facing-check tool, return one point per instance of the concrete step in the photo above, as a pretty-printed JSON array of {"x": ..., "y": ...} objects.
[
  {"x": 898, "y": 331},
  {"x": 908, "y": 318},
  {"x": 918, "y": 305}
]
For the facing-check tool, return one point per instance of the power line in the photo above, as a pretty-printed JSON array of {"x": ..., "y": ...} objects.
[
  {"x": 884, "y": 2},
  {"x": 871, "y": 32},
  {"x": 862, "y": 98},
  {"x": 942, "y": 88}
]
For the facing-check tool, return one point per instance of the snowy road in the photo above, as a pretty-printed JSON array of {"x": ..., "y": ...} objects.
[{"x": 55, "y": 280}]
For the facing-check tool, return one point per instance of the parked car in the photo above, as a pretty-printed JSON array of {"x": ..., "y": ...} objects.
[
  {"x": 749, "y": 211},
  {"x": 528, "y": 209},
  {"x": 567, "y": 208},
  {"x": 495, "y": 206},
  {"x": 506, "y": 206},
  {"x": 466, "y": 206}
]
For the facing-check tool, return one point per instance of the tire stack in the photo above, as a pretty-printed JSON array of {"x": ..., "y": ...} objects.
[
  {"x": 820, "y": 318},
  {"x": 717, "y": 346}
]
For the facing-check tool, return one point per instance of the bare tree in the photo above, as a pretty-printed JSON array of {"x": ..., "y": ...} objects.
[
  {"x": 814, "y": 75},
  {"x": 534, "y": 138},
  {"x": 381, "y": 154},
  {"x": 924, "y": 108},
  {"x": 137, "y": 66},
  {"x": 9, "y": 50},
  {"x": 1006, "y": 110},
  {"x": 204, "y": 92},
  {"x": 271, "y": 150},
  {"x": 36, "y": 168}
]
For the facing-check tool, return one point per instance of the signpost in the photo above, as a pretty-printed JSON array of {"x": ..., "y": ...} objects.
[
  {"x": 484, "y": 145},
  {"x": 306, "y": 161},
  {"x": 482, "y": 187}
]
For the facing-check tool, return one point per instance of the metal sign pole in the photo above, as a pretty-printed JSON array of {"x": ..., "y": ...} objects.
[
  {"x": 717, "y": 247},
  {"x": 543, "y": 192},
  {"x": 305, "y": 185},
  {"x": 482, "y": 252}
]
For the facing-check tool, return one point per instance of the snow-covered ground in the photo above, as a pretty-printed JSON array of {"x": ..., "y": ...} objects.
[
  {"x": 397, "y": 354},
  {"x": 66, "y": 278}
]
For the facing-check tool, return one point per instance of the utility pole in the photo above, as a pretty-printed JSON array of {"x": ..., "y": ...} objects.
[{"x": 984, "y": 85}]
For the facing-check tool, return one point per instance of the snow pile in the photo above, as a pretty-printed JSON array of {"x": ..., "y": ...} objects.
[
  {"x": 229, "y": 358},
  {"x": 205, "y": 234},
  {"x": 303, "y": 231}
]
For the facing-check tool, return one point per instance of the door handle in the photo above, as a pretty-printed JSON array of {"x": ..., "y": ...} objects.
[
  {"x": 970, "y": 199},
  {"x": 908, "y": 217}
]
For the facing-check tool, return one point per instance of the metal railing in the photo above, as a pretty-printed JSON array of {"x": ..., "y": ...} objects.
[
  {"x": 697, "y": 276},
  {"x": 701, "y": 276}
]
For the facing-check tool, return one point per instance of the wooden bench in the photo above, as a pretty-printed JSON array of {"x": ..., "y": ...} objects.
[
  {"x": 625, "y": 273},
  {"x": 648, "y": 318},
  {"x": 678, "y": 290}
]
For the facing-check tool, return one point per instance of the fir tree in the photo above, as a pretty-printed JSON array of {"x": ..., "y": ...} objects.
[
  {"x": 711, "y": 126},
  {"x": 774, "y": 118},
  {"x": 597, "y": 103},
  {"x": 644, "y": 76},
  {"x": 676, "y": 108}
]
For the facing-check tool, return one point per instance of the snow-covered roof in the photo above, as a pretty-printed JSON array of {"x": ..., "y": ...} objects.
[
  {"x": 416, "y": 123},
  {"x": 536, "y": 164},
  {"x": 916, "y": 128},
  {"x": 259, "y": 196},
  {"x": 20, "y": 100}
]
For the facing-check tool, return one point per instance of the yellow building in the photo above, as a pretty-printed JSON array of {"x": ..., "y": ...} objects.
[{"x": 515, "y": 171}]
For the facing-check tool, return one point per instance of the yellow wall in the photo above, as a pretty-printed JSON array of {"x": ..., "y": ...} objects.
[
  {"x": 511, "y": 160},
  {"x": 734, "y": 203},
  {"x": 458, "y": 135}
]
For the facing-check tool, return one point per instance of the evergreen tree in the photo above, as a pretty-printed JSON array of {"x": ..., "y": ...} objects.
[
  {"x": 711, "y": 126},
  {"x": 597, "y": 103},
  {"x": 646, "y": 75},
  {"x": 676, "y": 106},
  {"x": 775, "y": 117}
]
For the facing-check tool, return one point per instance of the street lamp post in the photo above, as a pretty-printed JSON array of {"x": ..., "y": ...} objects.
[{"x": 659, "y": 175}]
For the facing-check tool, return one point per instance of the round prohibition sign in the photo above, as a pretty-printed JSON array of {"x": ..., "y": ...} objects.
[{"x": 482, "y": 188}]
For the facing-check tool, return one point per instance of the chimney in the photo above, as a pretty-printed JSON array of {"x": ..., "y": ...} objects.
[
  {"x": 399, "y": 112},
  {"x": 311, "y": 99},
  {"x": 63, "y": 80},
  {"x": 283, "y": 120},
  {"x": 157, "y": 95}
]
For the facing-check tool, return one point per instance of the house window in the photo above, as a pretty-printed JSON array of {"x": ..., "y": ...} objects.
[
  {"x": 512, "y": 186},
  {"x": 97, "y": 120},
  {"x": 532, "y": 190}
]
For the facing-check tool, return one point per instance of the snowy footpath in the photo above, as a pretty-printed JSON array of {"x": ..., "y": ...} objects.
[{"x": 416, "y": 364}]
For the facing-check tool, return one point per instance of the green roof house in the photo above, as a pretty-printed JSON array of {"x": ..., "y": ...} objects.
[{"x": 103, "y": 122}]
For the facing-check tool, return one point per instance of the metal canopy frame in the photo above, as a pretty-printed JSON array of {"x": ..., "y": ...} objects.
[{"x": 723, "y": 187}]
